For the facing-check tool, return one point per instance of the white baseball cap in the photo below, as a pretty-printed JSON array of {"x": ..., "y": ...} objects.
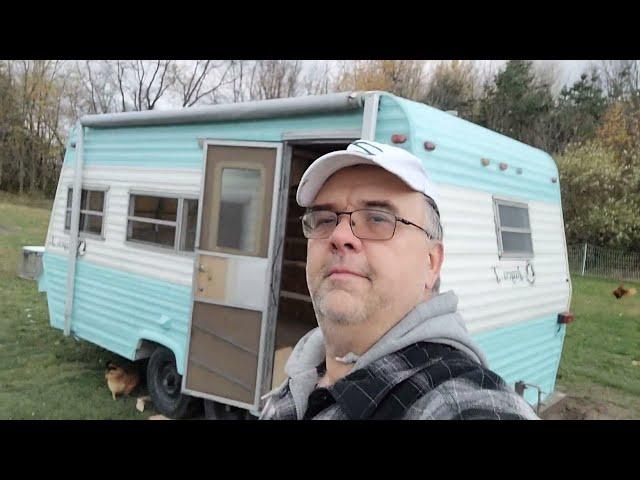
[{"x": 398, "y": 161}]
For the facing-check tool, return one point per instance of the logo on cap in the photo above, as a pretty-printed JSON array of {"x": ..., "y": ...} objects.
[{"x": 359, "y": 144}]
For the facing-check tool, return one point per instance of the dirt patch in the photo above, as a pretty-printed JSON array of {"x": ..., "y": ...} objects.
[
  {"x": 580, "y": 408},
  {"x": 572, "y": 408},
  {"x": 4, "y": 230}
]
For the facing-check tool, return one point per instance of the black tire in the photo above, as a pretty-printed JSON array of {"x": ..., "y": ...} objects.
[
  {"x": 165, "y": 384},
  {"x": 219, "y": 411}
]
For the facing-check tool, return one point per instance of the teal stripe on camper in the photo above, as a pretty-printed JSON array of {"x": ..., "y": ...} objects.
[
  {"x": 392, "y": 119},
  {"x": 460, "y": 146},
  {"x": 529, "y": 351},
  {"x": 176, "y": 146},
  {"x": 116, "y": 309}
]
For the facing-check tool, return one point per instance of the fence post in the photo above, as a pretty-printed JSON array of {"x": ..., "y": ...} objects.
[{"x": 584, "y": 259}]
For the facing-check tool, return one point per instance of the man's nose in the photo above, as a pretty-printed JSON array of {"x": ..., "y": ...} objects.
[{"x": 342, "y": 237}]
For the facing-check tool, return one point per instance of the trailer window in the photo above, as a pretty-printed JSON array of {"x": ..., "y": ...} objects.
[
  {"x": 189, "y": 224},
  {"x": 91, "y": 211},
  {"x": 168, "y": 222},
  {"x": 240, "y": 209},
  {"x": 513, "y": 229}
]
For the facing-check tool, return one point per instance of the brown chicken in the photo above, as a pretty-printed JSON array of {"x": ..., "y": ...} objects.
[
  {"x": 623, "y": 292},
  {"x": 120, "y": 381}
]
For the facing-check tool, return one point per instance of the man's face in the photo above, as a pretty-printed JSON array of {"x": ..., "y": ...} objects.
[{"x": 375, "y": 277}]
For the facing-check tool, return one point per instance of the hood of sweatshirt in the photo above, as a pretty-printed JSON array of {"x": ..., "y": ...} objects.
[{"x": 435, "y": 321}]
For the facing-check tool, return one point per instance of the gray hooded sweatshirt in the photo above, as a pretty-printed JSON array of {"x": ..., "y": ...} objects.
[{"x": 435, "y": 321}]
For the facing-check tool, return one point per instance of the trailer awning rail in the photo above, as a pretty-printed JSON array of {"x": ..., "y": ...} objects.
[{"x": 315, "y": 104}]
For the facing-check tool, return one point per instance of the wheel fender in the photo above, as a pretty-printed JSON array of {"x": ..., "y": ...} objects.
[{"x": 175, "y": 347}]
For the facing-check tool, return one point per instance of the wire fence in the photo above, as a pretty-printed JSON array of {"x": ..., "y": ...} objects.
[{"x": 594, "y": 261}]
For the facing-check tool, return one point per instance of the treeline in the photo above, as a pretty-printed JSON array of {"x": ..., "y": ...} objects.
[{"x": 590, "y": 126}]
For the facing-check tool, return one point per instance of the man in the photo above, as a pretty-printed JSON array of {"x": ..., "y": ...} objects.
[{"x": 388, "y": 345}]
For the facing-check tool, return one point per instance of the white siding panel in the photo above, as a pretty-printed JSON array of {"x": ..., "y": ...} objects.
[
  {"x": 114, "y": 251},
  {"x": 469, "y": 241},
  {"x": 471, "y": 250}
]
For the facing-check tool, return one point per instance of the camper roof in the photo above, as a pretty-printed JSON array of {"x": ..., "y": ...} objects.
[{"x": 314, "y": 104}]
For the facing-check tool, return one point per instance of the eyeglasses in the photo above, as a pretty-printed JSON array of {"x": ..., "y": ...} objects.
[{"x": 365, "y": 224}]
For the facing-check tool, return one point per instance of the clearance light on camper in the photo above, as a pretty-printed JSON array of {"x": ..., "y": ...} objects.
[
  {"x": 397, "y": 138},
  {"x": 503, "y": 166},
  {"x": 429, "y": 147},
  {"x": 566, "y": 317},
  {"x": 485, "y": 162},
  {"x": 519, "y": 171}
]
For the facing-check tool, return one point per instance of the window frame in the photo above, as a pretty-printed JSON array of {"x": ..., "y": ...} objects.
[
  {"x": 81, "y": 233},
  {"x": 178, "y": 224},
  {"x": 217, "y": 198},
  {"x": 513, "y": 255}
]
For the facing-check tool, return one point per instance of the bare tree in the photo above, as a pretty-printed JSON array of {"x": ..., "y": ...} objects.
[
  {"x": 8, "y": 116},
  {"x": 621, "y": 79},
  {"x": 242, "y": 75},
  {"x": 34, "y": 138},
  {"x": 120, "y": 75},
  {"x": 318, "y": 80},
  {"x": 263, "y": 79},
  {"x": 142, "y": 83},
  {"x": 401, "y": 77},
  {"x": 151, "y": 82},
  {"x": 452, "y": 85},
  {"x": 202, "y": 79},
  {"x": 274, "y": 79},
  {"x": 99, "y": 86}
]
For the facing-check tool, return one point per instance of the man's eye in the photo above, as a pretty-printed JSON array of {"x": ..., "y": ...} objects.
[{"x": 376, "y": 218}]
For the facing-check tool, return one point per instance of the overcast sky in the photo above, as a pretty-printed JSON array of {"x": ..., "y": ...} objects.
[
  {"x": 570, "y": 69},
  {"x": 566, "y": 72}
]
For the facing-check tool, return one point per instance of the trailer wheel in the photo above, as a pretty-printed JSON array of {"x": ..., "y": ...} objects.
[
  {"x": 164, "y": 384},
  {"x": 219, "y": 411}
]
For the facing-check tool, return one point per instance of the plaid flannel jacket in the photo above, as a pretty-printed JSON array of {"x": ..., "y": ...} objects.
[{"x": 420, "y": 382}]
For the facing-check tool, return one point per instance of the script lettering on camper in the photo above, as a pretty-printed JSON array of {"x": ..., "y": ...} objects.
[
  {"x": 59, "y": 242},
  {"x": 63, "y": 243},
  {"x": 519, "y": 273}
]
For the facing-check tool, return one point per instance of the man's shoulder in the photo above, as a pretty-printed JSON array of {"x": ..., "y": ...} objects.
[{"x": 454, "y": 386}]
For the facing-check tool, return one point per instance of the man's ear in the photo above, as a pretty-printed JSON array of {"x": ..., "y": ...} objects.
[{"x": 435, "y": 257}]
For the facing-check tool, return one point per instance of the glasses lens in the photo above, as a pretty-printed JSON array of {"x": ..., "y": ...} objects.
[
  {"x": 318, "y": 224},
  {"x": 373, "y": 224}
]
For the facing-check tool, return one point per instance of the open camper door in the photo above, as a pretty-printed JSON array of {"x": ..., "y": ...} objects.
[{"x": 232, "y": 272}]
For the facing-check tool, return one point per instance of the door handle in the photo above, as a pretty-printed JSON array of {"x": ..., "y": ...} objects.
[{"x": 202, "y": 269}]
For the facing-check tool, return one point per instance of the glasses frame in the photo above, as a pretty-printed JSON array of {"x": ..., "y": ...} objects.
[{"x": 339, "y": 214}]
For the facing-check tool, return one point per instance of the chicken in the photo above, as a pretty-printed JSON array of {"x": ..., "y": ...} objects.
[
  {"x": 623, "y": 292},
  {"x": 120, "y": 381}
]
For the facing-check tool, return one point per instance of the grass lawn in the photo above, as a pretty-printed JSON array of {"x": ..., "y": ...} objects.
[
  {"x": 45, "y": 375},
  {"x": 601, "y": 346}
]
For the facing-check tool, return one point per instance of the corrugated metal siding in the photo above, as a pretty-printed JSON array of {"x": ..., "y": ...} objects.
[
  {"x": 392, "y": 119},
  {"x": 515, "y": 324},
  {"x": 470, "y": 246},
  {"x": 459, "y": 147},
  {"x": 161, "y": 158},
  {"x": 174, "y": 146},
  {"x": 115, "y": 309},
  {"x": 113, "y": 251},
  {"x": 529, "y": 351}
]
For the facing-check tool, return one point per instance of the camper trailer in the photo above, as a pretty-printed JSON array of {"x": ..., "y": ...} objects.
[{"x": 175, "y": 238}]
